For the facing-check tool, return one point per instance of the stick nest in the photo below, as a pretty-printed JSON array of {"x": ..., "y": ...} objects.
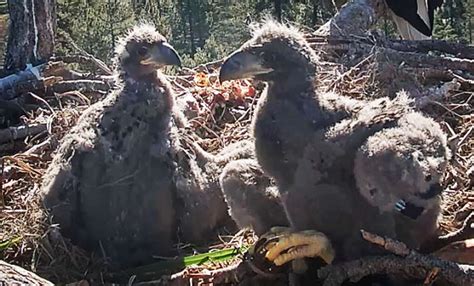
[{"x": 219, "y": 115}]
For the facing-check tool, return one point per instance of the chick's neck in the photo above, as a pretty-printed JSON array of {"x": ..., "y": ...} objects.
[
  {"x": 152, "y": 89},
  {"x": 294, "y": 81}
]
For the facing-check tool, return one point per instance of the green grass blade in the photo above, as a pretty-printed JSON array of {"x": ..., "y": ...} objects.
[
  {"x": 7, "y": 243},
  {"x": 214, "y": 256},
  {"x": 167, "y": 267}
]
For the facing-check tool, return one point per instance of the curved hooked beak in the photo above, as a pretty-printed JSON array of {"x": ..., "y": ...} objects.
[
  {"x": 242, "y": 64},
  {"x": 162, "y": 55}
]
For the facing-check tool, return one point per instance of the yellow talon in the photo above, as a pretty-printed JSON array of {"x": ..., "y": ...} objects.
[{"x": 300, "y": 245}]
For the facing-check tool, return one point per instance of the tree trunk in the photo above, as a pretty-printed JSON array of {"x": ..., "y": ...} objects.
[
  {"x": 31, "y": 33},
  {"x": 191, "y": 27},
  {"x": 112, "y": 8},
  {"x": 278, "y": 12}
]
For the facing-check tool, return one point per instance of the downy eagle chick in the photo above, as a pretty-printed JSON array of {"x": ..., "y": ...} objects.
[
  {"x": 308, "y": 145},
  {"x": 120, "y": 181},
  {"x": 403, "y": 167}
]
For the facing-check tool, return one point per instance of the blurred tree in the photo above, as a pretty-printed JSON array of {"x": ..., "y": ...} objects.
[
  {"x": 205, "y": 30},
  {"x": 451, "y": 21},
  {"x": 93, "y": 25}
]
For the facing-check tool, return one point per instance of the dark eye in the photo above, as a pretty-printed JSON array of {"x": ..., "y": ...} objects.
[
  {"x": 373, "y": 192},
  {"x": 142, "y": 51}
]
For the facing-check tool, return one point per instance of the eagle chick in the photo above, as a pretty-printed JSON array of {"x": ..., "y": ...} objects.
[
  {"x": 120, "y": 182},
  {"x": 308, "y": 143},
  {"x": 399, "y": 170}
]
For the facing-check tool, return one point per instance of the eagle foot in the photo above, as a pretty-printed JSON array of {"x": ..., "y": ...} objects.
[{"x": 281, "y": 245}]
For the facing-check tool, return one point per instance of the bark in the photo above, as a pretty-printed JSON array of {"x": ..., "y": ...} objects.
[
  {"x": 9, "y": 84},
  {"x": 53, "y": 76},
  {"x": 31, "y": 33},
  {"x": 459, "y": 252},
  {"x": 15, "y": 275},
  {"x": 20, "y": 132},
  {"x": 414, "y": 266},
  {"x": 82, "y": 85},
  {"x": 277, "y": 4},
  {"x": 191, "y": 29},
  {"x": 459, "y": 50},
  {"x": 407, "y": 262}
]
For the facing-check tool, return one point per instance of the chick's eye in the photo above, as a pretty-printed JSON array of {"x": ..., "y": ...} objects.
[
  {"x": 142, "y": 51},
  {"x": 373, "y": 192}
]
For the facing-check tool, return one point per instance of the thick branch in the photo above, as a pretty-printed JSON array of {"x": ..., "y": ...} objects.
[
  {"x": 465, "y": 232},
  {"x": 410, "y": 263},
  {"x": 424, "y": 60},
  {"x": 458, "y": 50},
  {"x": 15, "y": 275},
  {"x": 84, "y": 85},
  {"x": 414, "y": 266},
  {"x": 15, "y": 133},
  {"x": 10, "y": 82}
]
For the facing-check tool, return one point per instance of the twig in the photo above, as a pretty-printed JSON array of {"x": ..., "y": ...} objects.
[
  {"x": 85, "y": 58},
  {"x": 43, "y": 101},
  {"x": 233, "y": 273},
  {"x": 437, "y": 93},
  {"x": 37, "y": 149},
  {"x": 76, "y": 96},
  {"x": 100, "y": 64}
]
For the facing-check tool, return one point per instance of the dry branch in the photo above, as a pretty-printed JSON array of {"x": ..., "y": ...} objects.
[
  {"x": 459, "y": 50},
  {"x": 83, "y": 85},
  {"x": 401, "y": 53},
  {"x": 15, "y": 275},
  {"x": 54, "y": 75},
  {"x": 424, "y": 60},
  {"x": 407, "y": 262},
  {"x": 464, "y": 233},
  {"x": 9, "y": 84},
  {"x": 20, "y": 132},
  {"x": 97, "y": 62},
  {"x": 84, "y": 59}
]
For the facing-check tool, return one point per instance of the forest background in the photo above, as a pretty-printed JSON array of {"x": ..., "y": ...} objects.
[{"x": 207, "y": 30}]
